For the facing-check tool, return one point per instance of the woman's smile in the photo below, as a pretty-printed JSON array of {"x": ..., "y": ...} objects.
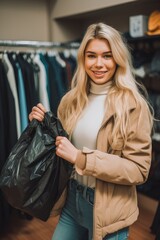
[{"x": 99, "y": 73}]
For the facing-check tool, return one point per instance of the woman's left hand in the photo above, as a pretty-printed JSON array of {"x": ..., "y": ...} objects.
[{"x": 65, "y": 149}]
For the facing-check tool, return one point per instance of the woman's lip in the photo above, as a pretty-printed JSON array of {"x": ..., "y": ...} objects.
[{"x": 99, "y": 72}]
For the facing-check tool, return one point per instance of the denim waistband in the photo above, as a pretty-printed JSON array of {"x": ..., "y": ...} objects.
[{"x": 76, "y": 186}]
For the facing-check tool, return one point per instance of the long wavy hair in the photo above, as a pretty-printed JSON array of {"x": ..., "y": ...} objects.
[{"x": 124, "y": 83}]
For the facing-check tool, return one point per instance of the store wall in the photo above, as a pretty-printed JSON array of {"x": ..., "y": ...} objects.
[
  {"x": 61, "y": 20},
  {"x": 24, "y": 20},
  {"x": 69, "y": 20},
  {"x": 74, "y": 7}
]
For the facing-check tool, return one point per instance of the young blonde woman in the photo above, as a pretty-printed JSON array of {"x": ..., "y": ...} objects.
[{"x": 109, "y": 124}]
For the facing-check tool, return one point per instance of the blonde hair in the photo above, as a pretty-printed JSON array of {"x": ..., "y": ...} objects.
[{"x": 124, "y": 83}]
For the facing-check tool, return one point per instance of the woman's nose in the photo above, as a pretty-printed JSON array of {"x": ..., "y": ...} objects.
[{"x": 99, "y": 62}]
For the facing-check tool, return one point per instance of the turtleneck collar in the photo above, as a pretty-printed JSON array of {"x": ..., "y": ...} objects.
[{"x": 100, "y": 89}]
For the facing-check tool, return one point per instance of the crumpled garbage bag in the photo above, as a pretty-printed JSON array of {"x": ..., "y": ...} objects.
[{"x": 34, "y": 177}]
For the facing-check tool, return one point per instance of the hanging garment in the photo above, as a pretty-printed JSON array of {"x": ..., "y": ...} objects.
[
  {"x": 42, "y": 83},
  {"x": 20, "y": 90},
  {"x": 12, "y": 83},
  {"x": 8, "y": 136},
  {"x": 22, "y": 99},
  {"x": 56, "y": 82},
  {"x": 28, "y": 77}
]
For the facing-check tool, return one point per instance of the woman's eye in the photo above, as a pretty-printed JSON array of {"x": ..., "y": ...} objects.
[
  {"x": 107, "y": 56},
  {"x": 91, "y": 56}
]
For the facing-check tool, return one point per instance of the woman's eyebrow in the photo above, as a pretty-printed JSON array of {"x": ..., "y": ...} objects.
[
  {"x": 90, "y": 52},
  {"x": 95, "y": 52}
]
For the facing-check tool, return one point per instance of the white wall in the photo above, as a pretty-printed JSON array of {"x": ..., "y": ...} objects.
[
  {"x": 24, "y": 20},
  {"x": 65, "y": 20},
  {"x": 70, "y": 18},
  {"x": 65, "y": 8}
]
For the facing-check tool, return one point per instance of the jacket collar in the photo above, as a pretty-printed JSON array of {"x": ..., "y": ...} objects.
[{"x": 111, "y": 111}]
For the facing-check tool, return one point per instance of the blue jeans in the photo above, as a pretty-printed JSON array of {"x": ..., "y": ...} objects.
[
  {"x": 76, "y": 220},
  {"x": 122, "y": 234}
]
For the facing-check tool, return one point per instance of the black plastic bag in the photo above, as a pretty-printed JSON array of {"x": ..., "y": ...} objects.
[{"x": 34, "y": 177}]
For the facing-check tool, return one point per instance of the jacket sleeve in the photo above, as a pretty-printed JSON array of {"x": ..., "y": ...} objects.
[{"x": 132, "y": 166}]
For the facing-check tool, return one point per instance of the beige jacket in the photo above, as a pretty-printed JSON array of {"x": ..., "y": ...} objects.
[{"x": 117, "y": 169}]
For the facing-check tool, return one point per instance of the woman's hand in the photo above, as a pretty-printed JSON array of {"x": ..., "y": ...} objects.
[
  {"x": 38, "y": 112},
  {"x": 65, "y": 149}
]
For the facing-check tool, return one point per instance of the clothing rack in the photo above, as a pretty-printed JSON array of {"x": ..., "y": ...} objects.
[{"x": 38, "y": 44}]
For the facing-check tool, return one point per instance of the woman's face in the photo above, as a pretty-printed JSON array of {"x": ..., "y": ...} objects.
[{"x": 99, "y": 63}]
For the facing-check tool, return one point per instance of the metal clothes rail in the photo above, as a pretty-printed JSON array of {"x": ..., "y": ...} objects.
[{"x": 38, "y": 44}]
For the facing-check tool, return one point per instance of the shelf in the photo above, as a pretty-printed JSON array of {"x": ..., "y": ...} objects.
[{"x": 145, "y": 38}]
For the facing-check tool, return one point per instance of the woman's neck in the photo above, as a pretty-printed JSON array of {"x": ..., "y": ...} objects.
[{"x": 100, "y": 89}]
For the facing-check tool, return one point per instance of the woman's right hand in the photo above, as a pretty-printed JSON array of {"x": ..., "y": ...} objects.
[{"x": 38, "y": 112}]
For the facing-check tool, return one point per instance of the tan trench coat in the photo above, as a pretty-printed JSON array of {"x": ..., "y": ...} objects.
[{"x": 117, "y": 169}]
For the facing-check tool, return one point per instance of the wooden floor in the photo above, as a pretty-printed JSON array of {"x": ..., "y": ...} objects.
[{"x": 23, "y": 229}]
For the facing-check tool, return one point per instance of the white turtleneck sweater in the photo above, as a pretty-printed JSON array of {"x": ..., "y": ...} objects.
[{"x": 89, "y": 123}]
